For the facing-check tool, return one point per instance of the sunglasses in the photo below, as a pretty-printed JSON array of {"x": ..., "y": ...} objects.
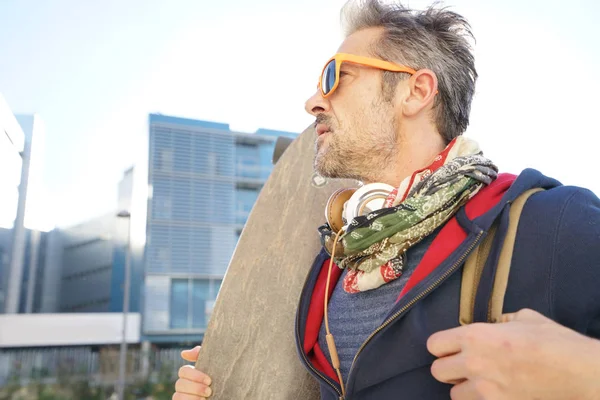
[{"x": 330, "y": 76}]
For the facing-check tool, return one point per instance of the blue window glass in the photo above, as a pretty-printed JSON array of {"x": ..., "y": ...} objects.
[
  {"x": 179, "y": 303},
  {"x": 247, "y": 161},
  {"x": 245, "y": 199},
  {"x": 200, "y": 295}
]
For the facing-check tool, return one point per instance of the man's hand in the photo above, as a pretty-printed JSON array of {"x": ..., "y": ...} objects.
[
  {"x": 527, "y": 356},
  {"x": 192, "y": 384}
]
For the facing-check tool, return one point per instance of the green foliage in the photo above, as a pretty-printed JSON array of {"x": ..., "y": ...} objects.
[
  {"x": 72, "y": 380},
  {"x": 72, "y": 388}
]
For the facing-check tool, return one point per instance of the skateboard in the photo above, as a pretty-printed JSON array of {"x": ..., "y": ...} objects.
[{"x": 249, "y": 346}]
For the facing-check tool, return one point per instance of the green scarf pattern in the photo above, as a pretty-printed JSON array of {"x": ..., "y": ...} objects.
[{"x": 382, "y": 237}]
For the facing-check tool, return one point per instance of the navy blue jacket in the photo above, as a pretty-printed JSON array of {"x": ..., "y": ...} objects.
[{"x": 555, "y": 270}]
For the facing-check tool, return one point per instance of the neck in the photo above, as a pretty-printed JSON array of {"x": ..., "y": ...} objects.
[{"x": 415, "y": 151}]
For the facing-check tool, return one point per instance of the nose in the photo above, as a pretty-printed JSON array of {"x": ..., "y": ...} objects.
[{"x": 317, "y": 104}]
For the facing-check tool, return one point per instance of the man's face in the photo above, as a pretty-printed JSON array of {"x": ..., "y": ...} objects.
[{"x": 357, "y": 128}]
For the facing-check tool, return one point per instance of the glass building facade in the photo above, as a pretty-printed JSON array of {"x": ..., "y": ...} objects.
[
  {"x": 12, "y": 144},
  {"x": 87, "y": 265},
  {"x": 203, "y": 180}
]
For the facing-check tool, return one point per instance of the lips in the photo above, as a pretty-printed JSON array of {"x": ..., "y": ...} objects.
[{"x": 322, "y": 129}]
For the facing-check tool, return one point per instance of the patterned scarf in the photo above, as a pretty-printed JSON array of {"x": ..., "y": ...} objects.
[{"x": 373, "y": 248}]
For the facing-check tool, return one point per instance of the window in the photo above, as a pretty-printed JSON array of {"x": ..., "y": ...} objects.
[
  {"x": 162, "y": 207},
  {"x": 247, "y": 161},
  {"x": 200, "y": 295},
  {"x": 245, "y": 199},
  {"x": 192, "y": 311},
  {"x": 211, "y": 162},
  {"x": 179, "y": 303},
  {"x": 165, "y": 160}
]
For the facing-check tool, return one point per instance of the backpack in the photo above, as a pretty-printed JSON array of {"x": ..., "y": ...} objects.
[{"x": 472, "y": 297}]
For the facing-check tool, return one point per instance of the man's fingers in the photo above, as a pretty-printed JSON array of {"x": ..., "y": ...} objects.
[
  {"x": 192, "y": 388},
  {"x": 191, "y": 355},
  {"x": 524, "y": 315},
  {"x": 451, "y": 369},
  {"x": 508, "y": 317},
  {"x": 474, "y": 390},
  {"x": 192, "y": 374},
  {"x": 445, "y": 343},
  {"x": 183, "y": 396},
  {"x": 464, "y": 391}
]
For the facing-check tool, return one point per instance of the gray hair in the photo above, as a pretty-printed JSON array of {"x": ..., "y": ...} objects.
[{"x": 435, "y": 38}]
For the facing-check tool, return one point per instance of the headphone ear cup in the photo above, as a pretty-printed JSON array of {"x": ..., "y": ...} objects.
[
  {"x": 366, "y": 199},
  {"x": 335, "y": 208}
]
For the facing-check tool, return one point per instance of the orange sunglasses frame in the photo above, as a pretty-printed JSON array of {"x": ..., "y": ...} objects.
[{"x": 360, "y": 60}]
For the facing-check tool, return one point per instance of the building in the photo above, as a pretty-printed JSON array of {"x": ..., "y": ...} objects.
[
  {"x": 12, "y": 144},
  {"x": 93, "y": 255},
  {"x": 125, "y": 244},
  {"x": 22, "y": 251},
  {"x": 38, "y": 271},
  {"x": 14, "y": 189},
  {"x": 38, "y": 289},
  {"x": 203, "y": 179},
  {"x": 87, "y": 265},
  {"x": 79, "y": 346},
  {"x": 178, "y": 216},
  {"x": 182, "y": 210},
  {"x": 6, "y": 236}
]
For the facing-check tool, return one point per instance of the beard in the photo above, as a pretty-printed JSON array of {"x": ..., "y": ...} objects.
[{"x": 358, "y": 149}]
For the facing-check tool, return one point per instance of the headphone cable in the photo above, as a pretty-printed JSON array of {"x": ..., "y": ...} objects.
[{"x": 335, "y": 360}]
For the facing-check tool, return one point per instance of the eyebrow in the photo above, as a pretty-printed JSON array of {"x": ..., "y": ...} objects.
[{"x": 349, "y": 64}]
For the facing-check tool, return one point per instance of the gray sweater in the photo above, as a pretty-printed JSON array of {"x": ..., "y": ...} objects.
[{"x": 353, "y": 317}]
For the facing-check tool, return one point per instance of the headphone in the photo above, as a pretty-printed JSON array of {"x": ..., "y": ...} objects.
[
  {"x": 348, "y": 203},
  {"x": 342, "y": 207}
]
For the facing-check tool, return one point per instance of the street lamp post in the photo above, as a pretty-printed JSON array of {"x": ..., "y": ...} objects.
[{"x": 126, "y": 284}]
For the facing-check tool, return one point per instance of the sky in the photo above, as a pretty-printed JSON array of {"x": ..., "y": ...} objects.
[{"x": 94, "y": 70}]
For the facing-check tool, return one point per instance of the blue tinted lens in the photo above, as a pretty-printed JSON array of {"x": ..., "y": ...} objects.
[{"x": 328, "y": 78}]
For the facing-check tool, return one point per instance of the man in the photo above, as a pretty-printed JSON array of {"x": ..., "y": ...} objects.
[{"x": 391, "y": 108}]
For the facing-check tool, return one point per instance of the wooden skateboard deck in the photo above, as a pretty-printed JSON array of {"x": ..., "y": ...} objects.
[{"x": 248, "y": 349}]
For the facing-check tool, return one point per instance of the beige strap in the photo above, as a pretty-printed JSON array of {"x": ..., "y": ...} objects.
[
  {"x": 472, "y": 275},
  {"x": 503, "y": 268},
  {"x": 475, "y": 263}
]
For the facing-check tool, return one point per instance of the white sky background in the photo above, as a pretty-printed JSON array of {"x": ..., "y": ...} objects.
[{"x": 94, "y": 70}]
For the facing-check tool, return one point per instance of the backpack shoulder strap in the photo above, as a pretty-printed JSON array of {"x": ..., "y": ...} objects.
[{"x": 475, "y": 263}]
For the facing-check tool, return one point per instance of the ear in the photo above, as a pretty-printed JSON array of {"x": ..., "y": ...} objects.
[{"x": 423, "y": 87}]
